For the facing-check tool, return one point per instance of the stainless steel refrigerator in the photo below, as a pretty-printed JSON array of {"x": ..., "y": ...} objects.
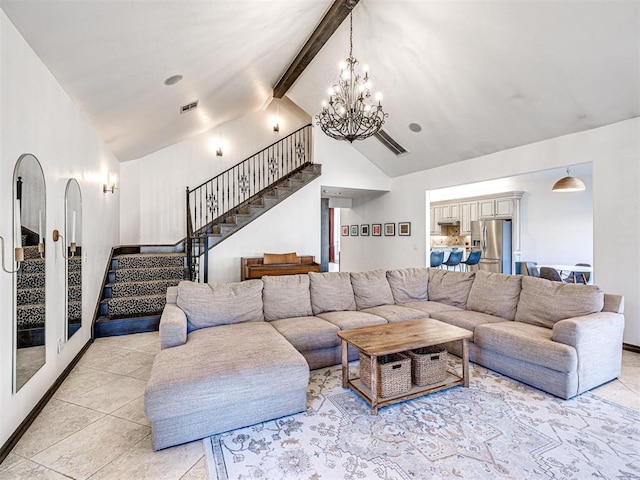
[{"x": 493, "y": 239}]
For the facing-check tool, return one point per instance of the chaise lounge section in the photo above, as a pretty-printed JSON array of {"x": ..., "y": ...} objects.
[{"x": 236, "y": 354}]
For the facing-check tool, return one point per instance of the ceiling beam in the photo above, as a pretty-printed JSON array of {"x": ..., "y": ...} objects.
[{"x": 323, "y": 32}]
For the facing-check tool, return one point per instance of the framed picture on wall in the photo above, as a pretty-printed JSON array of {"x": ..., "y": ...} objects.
[
  {"x": 376, "y": 229},
  {"x": 354, "y": 230},
  {"x": 404, "y": 229},
  {"x": 364, "y": 230},
  {"x": 389, "y": 229},
  {"x": 345, "y": 230}
]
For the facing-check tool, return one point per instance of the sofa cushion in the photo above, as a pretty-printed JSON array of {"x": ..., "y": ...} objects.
[
  {"x": 275, "y": 258},
  {"x": 308, "y": 333},
  {"x": 429, "y": 307},
  {"x": 346, "y": 320},
  {"x": 543, "y": 302},
  {"x": 450, "y": 287},
  {"x": 395, "y": 313},
  {"x": 495, "y": 294},
  {"x": 331, "y": 292},
  {"x": 286, "y": 296},
  {"x": 529, "y": 343},
  {"x": 371, "y": 289},
  {"x": 466, "y": 319},
  {"x": 212, "y": 368},
  {"x": 212, "y": 304},
  {"x": 409, "y": 284}
]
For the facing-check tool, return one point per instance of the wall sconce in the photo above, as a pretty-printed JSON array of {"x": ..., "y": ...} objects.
[
  {"x": 72, "y": 246},
  {"x": 111, "y": 185},
  {"x": 219, "y": 152},
  {"x": 276, "y": 127},
  {"x": 18, "y": 257}
]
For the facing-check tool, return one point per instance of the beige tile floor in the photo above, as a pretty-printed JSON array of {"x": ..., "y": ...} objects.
[{"x": 95, "y": 427}]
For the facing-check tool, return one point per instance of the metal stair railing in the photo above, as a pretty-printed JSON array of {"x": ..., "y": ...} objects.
[{"x": 211, "y": 203}]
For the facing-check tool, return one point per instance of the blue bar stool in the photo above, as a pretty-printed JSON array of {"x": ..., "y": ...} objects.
[
  {"x": 472, "y": 259},
  {"x": 454, "y": 259},
  {"x": 436, "y": 259}
]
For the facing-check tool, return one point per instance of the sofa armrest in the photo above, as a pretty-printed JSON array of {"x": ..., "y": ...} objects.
[
  {"x": 173, "y": 326},
  {"x": 597, "y": 339}
]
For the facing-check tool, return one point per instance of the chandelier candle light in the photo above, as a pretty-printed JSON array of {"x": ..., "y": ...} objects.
[{"x": 350, "y": 113}]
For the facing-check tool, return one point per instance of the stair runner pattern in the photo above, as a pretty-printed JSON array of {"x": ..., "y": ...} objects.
[
  {"x": 136, "y": 289},
  {"x": 30, "y": 299},
  {"x": 74, "y": 294}
]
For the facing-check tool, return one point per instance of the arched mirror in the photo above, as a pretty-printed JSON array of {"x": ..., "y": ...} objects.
[
  {"x": 73, "y": 241},
  {"x": 30, "y": 221}
]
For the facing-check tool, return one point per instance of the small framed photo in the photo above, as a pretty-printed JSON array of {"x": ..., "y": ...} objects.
[
  {"x": 376, "y": 229},
  {"x": 404, "y": 229},
  {"x": 364, "y": 230},
  {"x": 354, "y": 230},
  {"x": 345, "y": 230},
  {"x": 389, "y": 229}
]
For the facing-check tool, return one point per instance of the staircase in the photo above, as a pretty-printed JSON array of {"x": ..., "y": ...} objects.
[
  {"x": 30, "y": 299},
  {"x": 135, "y": 291},
  {"x": 136, "y": 282},
  {"x": 74, "y": 293}
]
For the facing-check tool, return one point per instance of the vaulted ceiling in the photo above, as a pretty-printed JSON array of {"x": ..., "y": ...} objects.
[{"x": 478, "y": 76}]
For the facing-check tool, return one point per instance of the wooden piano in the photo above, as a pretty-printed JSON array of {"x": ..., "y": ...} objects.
[{"x": 277, "y": 264}]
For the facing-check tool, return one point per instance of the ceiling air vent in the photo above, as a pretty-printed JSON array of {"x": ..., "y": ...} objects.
[
  {"x": 188, "y": 107},
  {"x": 390, "y": 143}
]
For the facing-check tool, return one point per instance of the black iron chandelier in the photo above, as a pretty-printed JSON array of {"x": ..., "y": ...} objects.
[{"x": 350, "y": 113}]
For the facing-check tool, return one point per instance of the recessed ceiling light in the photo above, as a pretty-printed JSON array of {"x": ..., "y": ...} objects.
[
  {"x": 173, "y": 80},
  {"x": 414, "y": 127}
]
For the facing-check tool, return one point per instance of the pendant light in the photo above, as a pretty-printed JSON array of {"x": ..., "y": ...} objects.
[{"x": 568, "y": 184}]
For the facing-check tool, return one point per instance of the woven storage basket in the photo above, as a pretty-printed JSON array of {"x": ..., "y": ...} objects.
[
  {"x": 394, "y": 373},
  {"x": 428, "y": 365}
]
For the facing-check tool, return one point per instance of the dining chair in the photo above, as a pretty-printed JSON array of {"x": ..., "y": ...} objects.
[
  {"x": 550, "y": 274},
  {"x": 580, "y": 277},
  {"x": 436, "y": 259},
  {"x": 529, "y": 268},
  {"x": 454, "y": 259},
  {"x": 472, "y": 259}
]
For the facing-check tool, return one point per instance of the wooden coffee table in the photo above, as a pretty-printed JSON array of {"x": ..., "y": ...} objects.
[{"x": 398, "y": 337}]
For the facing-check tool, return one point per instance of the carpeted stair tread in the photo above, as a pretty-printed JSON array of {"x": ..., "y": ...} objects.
[
  {"x": 31, "y": 252},
  {"x": 75, "y": 264},
  {"x": 75, "y": 311},
  {"x": 33, "y": 265},
  {"x": 29, "y": 296},
  {"x": 139, "y": 305},
  {"x": 131, "y": 289},
  {"x": 30, "y": 280},
  {"x": 148, "y": 260},
  {"x": 31, "y": 315},
  {"x": 75, "y": 293},
  {"x": 147, "y": 274}
]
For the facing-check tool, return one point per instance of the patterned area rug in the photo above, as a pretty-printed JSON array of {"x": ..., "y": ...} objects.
[{"x": 496, "y": 429}]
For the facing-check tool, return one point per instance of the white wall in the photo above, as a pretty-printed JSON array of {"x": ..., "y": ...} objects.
[
  {"x": 37, "y": 117},
  {"x": 614, "y": 152},
  {"x": 153, "y": 187}
]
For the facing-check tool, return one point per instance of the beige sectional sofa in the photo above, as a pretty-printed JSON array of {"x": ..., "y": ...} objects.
[{"x": 235, "y": 354}]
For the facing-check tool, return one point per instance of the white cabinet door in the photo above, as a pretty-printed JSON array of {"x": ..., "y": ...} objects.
[
  {"x": 436, "y": 215},
  {"x": 454, "y": 211},
  {"x": 486, "y": 208},
  {"x": 504, "y": 207},
  {"x": 468, "y": 214}
]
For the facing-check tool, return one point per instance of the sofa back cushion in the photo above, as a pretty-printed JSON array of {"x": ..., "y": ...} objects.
[
  {"x": 543, "y": 302},
  {"x": 331, "y": 292},
  {"x": 495, "y": 294},
  {"x": 409, "y": 284},
  {"x": 371, "y": 289},
  {"x": 286, "y": 296},
  {"x": 212, "y": 304},
  {"x": 449, "y": 287}
]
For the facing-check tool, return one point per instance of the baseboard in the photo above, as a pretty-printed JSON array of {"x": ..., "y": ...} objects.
[
  {"x": 26, "y": 423},
  {"x": 631, "y": 348}
]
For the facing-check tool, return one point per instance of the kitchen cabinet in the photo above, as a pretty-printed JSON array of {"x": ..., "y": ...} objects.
[
  {"x": 468, "y": 214},
  {"x": 436, "y": 215},
  {"x": 496, "y": 207}
]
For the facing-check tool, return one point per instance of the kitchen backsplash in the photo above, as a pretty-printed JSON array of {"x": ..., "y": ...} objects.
[{"x": 450, "y": 240}]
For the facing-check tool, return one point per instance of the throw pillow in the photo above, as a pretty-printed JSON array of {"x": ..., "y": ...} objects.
[
  {"x": 331, "y": 292},
  {"x": 212, "y": 304},
  {"x": 543, "y": 302},
  {"x": 449, "y": 287},
  {"x": 409, "y": 284},
  {"x": 495, "y": 294},
  {"x": 286, "y": 296},
  {"x": 371, "y": 289}
]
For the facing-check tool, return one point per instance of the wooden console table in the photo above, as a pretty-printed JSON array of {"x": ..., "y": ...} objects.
[
  {"x": 253, "y": 267},
  {"x": 385, "y": 339}
]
